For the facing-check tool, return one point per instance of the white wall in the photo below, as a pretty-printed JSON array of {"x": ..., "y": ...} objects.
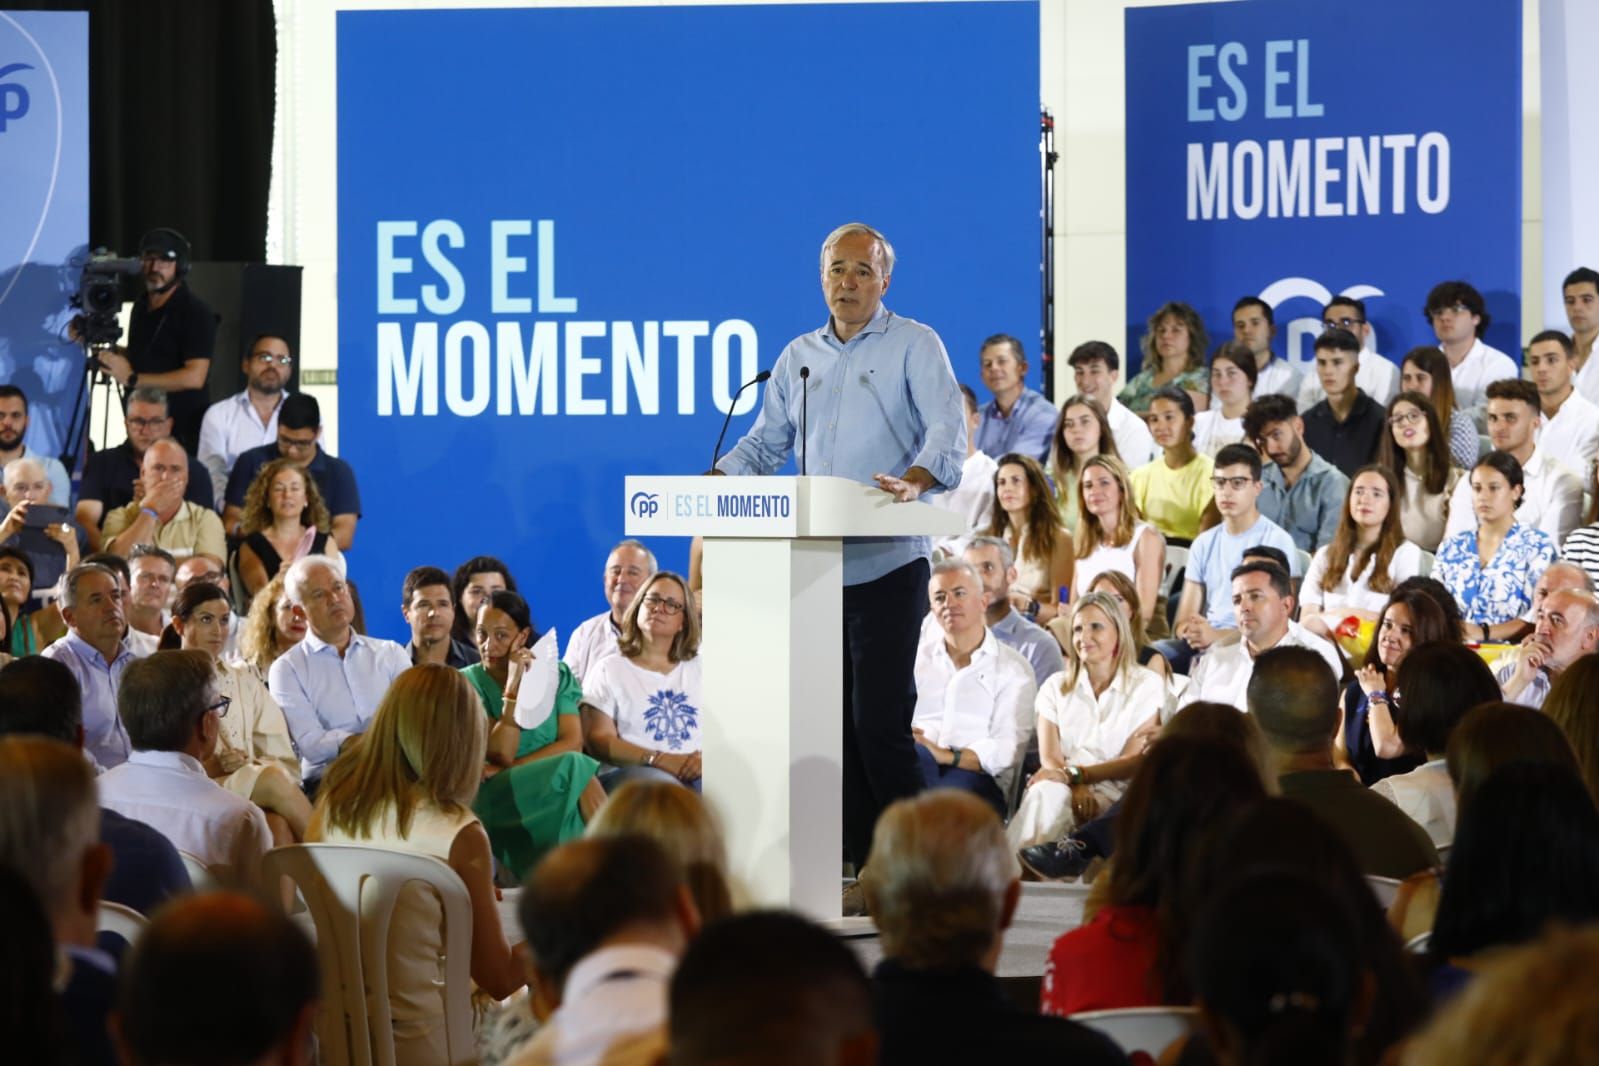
[{"x": 1082, "y": 82}]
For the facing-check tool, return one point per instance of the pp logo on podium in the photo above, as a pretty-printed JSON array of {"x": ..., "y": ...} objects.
[{"x": 645, "y": 504}]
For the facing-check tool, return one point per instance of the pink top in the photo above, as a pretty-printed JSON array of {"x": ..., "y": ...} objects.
[{"x": 1106, "y": 964}]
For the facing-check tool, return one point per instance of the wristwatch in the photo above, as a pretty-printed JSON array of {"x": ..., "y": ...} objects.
[
  {"x": 954, "y": 756},
  {"x": 1074, "y": 775}
]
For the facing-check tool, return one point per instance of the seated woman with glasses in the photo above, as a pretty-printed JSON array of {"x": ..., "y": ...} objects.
[
  {"x": 1491, "y": 570},
  {"x": 539, "y": 789},
  {"x": 1417, "y": 451},
  {"x": 254, "y": 757},
  {"x": 1426, "y": 370},
  {"x": 284, "y": 519},
  {"x": 642, "y": 706}
]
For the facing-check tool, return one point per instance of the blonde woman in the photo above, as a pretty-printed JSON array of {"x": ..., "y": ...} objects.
[
  {"x": 284, "y": 519},
  {"x": 642, "y": 706},
  {"x": 1112, "y": 535},
  {"x": 273, "y": 626},
  {"x": 680, "y": 821},
  {"x": 1087, "y": 714},
  {"x": 407, "y": 784},
  {"x": 255, "y": 757},
  {"x": 1081, "y": 432}
]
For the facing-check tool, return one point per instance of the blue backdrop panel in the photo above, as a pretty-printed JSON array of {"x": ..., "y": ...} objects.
[
  {"x": 44, "y": 210},
  {"x": 1276, "y": 151},
  {"x": 566, "y": 236}
]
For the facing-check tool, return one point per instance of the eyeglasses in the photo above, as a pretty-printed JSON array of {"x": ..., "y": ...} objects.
[
  {"x": 1406, "y": 418},
  {"x": 1342, "y": 323},
  {"x": 1235, "y": 483},
  {"x": 220, "y": 706},
  {"x": 268, "y": 357},
  {"x": 662, "y": 604},
  {"x": 146, "y": 423},
  {"x": 1454, "y": 308}
]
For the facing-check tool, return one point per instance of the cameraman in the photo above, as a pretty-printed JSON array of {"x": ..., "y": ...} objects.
[{"x": 171, "y": 336}]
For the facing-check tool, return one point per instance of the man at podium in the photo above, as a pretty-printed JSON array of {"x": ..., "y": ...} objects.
[{"x": 884, "y": 408}]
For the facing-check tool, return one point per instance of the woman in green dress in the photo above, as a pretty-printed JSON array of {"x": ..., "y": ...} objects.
[{"x": 538, "y": 786}]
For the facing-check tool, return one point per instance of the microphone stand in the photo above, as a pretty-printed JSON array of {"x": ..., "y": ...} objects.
[
  {"x": 716, "y": 453},
  {"x": 805, "y": 411}
]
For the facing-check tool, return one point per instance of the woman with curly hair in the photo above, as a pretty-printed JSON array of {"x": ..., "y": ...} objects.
[
  {"x": 284, "y": 519},
  {"x": 1174, "y": 349},
  {"x": 1025, "y": 515},
  {"x": 273, "y": 626}
]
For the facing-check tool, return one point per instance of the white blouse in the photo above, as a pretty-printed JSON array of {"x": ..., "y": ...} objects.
[
  {"x": 1213, "y": 432},
  {"x": 1094, "y": 729},
  {"x": 1354, "y": 590}
]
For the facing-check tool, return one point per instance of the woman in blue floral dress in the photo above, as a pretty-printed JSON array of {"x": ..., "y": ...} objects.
[{"x": 1491, "y": 570}]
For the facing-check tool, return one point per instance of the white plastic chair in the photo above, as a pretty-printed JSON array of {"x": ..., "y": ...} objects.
[
  {"x": 351, "y": 892},
  {"x": 121, "y": 921},
  {"x": 200, "y": 874},
  {"x": 1148, "y": 1029},
  {"x": 1176, "y": 563},
  {"x": 1386, "y": 889}
]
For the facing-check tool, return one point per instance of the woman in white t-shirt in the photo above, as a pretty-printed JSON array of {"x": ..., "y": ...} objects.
[
  {"x": 642, "y": 706},
  {"x": 1112, "y": 535},
  {"x": 1232, "y": 384},
  {"x": 1087, "y": 715},
  {"x": 1368, "y": 556}
]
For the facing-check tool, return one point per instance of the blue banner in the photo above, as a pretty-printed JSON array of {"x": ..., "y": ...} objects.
[
  {"x": 567, "y": 236},
  {"x": 1295, "y": 152},
  {"x": 44, "y": 220}
]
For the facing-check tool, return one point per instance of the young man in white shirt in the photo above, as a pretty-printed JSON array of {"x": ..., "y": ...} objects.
[
  {"x": 1570, "y": 432},
  {"x": 248, "y": 419},
  {"x": 1095, "y": 365},
  {"x": 628, "y": 566},
  {"x": 1377, "y": 377},
  {"x": 1459, "y": 319},
  {"x": 974, "y": 695},
  {"x": 1552, "y": 500},
  {"x": 1580, "y": 291},
  {"x": 1263, "y": 602},
  {"x": 1254, "y": 326},
  {"x": 173, "y": 714}
]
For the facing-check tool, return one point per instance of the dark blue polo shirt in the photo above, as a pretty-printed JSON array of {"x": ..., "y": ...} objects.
[{"x": 333, "y": 476}]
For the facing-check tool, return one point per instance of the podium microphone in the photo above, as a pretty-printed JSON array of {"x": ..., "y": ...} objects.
[
  {"x": 805, "y": 411},
  {"x": 756, "y": 380}
]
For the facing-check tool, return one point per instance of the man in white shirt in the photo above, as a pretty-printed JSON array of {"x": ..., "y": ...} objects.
[
  {"x": 606, "y": 919},
  {"x": 628, "y": 566},
  {"x": 973, "y": 498},
  {"x": 1263, "y": 603},
  {"x": 1254, "y": 326},
  {"x": 974, "y": 695},
  {"x": 1377, "y": 377},
  {"x": 173, "y": 714},
  {"x": 1570, "y": 433},
  {"x": 1459, "y": 319},
  {"x": 1580, "y": 291},
  {"x": 93, "y": 649},
  {"x": 1095, "y": 365},
  {"x": 330, "y": 684},
  {"x": 248, "y": 419},
  {"x": 1552, "y": 496},
  {"x": 1567, "y": 628}
]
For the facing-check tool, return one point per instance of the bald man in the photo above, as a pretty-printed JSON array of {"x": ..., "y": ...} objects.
[
  {"x": 161, "y": 515},
  {"x": 1567, "y": 629}
]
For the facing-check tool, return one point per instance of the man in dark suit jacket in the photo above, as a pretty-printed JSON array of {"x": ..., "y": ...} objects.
[
  {"x": 942, "y": 885},
  {"x": 1294, "y": 698}
]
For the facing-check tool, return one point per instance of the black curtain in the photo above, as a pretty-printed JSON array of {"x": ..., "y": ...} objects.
[{"x": 181, "y": 99}]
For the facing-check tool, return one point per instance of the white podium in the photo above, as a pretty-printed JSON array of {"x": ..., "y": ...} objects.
[{"x": 774, "y": 671}]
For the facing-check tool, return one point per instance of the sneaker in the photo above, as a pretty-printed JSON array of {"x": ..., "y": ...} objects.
[{"x": 1057, "y": 861}]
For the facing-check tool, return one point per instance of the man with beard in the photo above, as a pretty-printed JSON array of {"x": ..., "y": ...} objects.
[
  {"x": 171, "y": 335},
  {"x": 13, "y": 427},
  {"x": 1300, "y": 491},
  {"x": 248, "y": 419}
]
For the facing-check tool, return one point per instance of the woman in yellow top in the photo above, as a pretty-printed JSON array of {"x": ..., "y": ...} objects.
[{"x": 1174, "y": 490}]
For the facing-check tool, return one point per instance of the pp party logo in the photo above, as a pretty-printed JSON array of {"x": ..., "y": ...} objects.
[{"x": 30, "y": 146}]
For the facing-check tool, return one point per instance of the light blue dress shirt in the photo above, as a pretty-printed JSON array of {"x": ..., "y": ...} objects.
[
  {"x": 327, "y": 699},
  {"x": 881, "y": 403},
  {"x": 1029, "y": 429},
  {"x": 1309, "y": 511},
  {"x": 103, "y": 735},
  {"x": 1036, "y": 644}
]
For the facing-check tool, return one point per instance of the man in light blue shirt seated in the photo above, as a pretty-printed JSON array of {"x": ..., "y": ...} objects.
[
  {"x": 97, "y": 655},
  {"x": 995, "y": 564},
  {"x": 1017, "y": 419},
  {"x": 884, "y": 409},
  {"x": 331, "y": 682},
  {"x": 1206, "y": 607}
]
